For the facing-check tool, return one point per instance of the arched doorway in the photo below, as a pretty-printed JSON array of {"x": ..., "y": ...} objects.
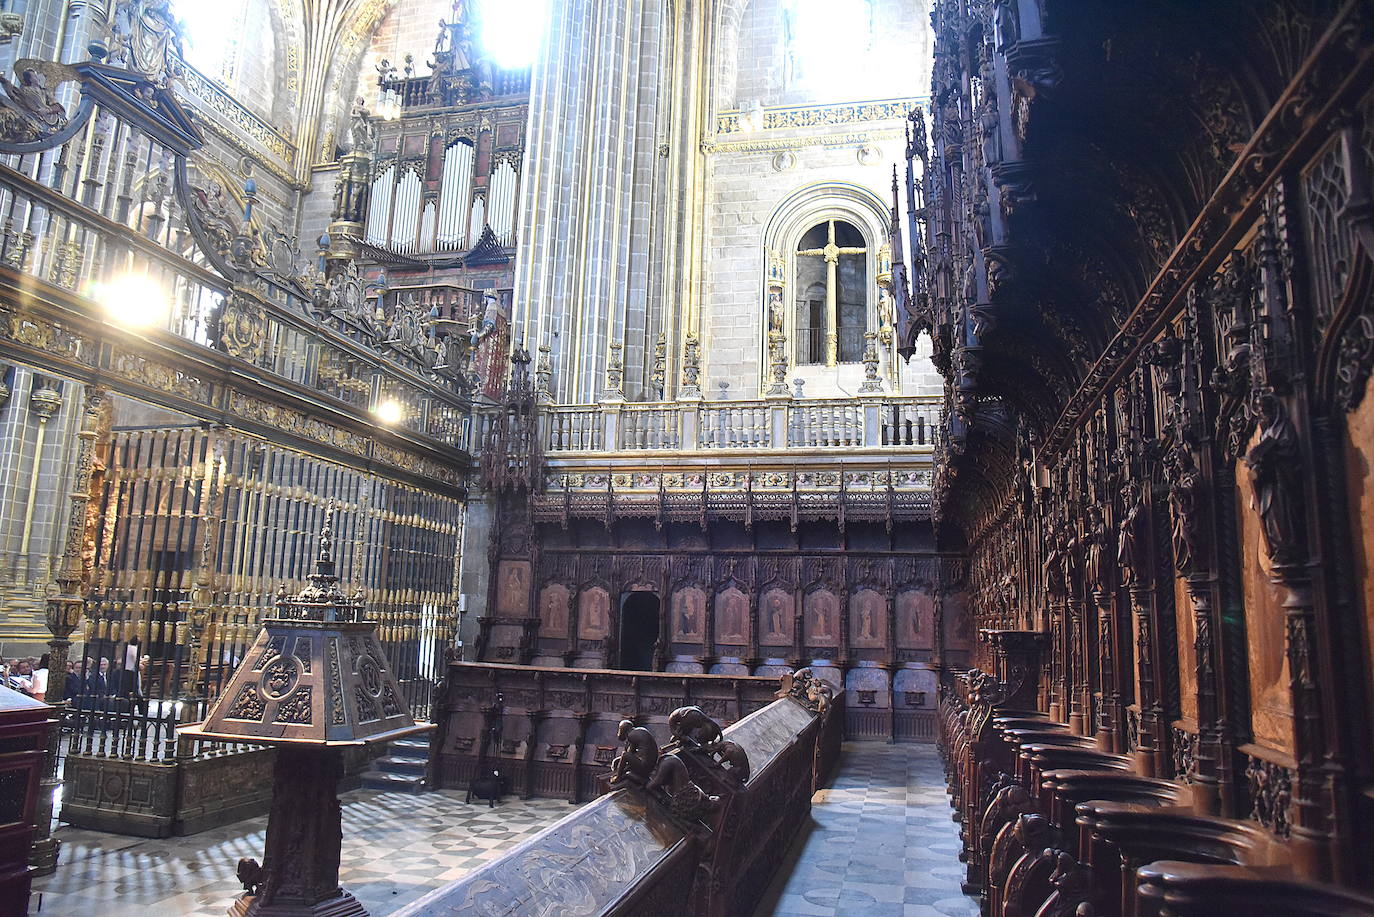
[{"x": 639, "y": 627}]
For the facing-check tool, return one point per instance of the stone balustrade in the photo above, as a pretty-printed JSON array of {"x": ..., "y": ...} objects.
[{"x": 898, "y": 423}]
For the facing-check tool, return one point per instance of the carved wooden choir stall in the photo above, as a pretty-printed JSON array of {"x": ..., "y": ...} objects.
[
  {"x": 1142, "y": 244},
  {"x": 696, "y": 821}
]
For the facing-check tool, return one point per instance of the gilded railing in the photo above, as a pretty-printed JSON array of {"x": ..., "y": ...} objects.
[{"x": 107, "y": 203}]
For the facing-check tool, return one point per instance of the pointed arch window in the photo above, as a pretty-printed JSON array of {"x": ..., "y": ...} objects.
[{"x": 831, "y": 287}]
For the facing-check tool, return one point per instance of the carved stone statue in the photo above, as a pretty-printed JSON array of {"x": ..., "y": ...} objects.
[
  {"x": 362, "y": 136},
  {"x": 146, "y": 38},
  {"x": 1274, "y": 463},
  {"x": 775, "y": 313},
  {"x": 639, "y": 757}
]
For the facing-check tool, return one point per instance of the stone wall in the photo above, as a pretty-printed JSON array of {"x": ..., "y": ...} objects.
[{"x": 797, "y": 154}]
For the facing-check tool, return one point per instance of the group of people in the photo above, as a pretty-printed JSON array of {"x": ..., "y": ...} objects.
[
  {"x": 27, "y": 676},
  {"x": 96, "y": 679},
  {"x": 93, "y": 679}
]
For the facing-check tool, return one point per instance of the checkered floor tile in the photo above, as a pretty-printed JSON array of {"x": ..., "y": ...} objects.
[
  {"x": 880, "y": 842},
  {"x": 396, "y": 847}
]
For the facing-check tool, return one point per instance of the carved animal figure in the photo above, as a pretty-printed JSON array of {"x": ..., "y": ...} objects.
[
  {"x": 693, "y": 728},
  {"x": 685, "y": 799},
  {"x": 735, "y": 759},
  {"x": 640, "y": 756},
  {"x": 249, "y": 873}
]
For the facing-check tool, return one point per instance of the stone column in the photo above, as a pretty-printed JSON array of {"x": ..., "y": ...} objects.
[{"x": 63, "y": 613}]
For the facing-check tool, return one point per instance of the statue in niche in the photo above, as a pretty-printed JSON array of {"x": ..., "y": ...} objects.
[
  {"x": 732, "y": 616},
  {"x": 146, "y": 38},
  {"x": 1274, "y": 465},
  {"x": 822, "y": 630},
  {"x": 1185, "y": 495},
  {"x": 555, "y": 608},
  {"x": 1127, "y": 540},
  {"x": 1095, "y": 537},
  {"x": 689, "y": 615},
  {"x": 1055, "y": 583},
  {"x": 866, "y": 623},
  {"x": 595, "y": 612},
  {"x": 775, "y": 311},
  {"x": 912, "y": 613}
]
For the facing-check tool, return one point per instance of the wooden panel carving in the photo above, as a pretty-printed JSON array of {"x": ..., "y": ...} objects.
[
  {"x": 1271, "y": 705},
  {"x": 553, "y": 611},
  {"x": 867, "y": 620},
  {"x": 1359, "y": 450},
  {"x": 513, "y": 588},
  {"x": 593, "y": 614},
  {"x": 689, "y": 615},
  {"x": 822, "y": 618},
  {"x": 915, "y": 619},
  {"x": 732, "y": 618},
  {"x": 776, "y": 617}
]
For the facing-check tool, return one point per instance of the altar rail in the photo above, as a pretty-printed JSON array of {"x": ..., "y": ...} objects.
[
  {"x": 878, "y": 422},
  {"x": 627, "y": 854}
]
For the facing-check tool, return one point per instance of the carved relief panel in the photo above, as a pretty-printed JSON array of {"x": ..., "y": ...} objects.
[
  {"x": 593, "y": 614},
  {"x": 915, "y": 619},
  {"x": 776, "y": 618},
  {"x": 689, "y": 615},
  {"x": 822, "y": 618},
  {"x": 553, "y": 611},
  {"x": 732, "y": 618},
  {"x": 867, "y": 620},
  {"x": 513, "y": 588}
]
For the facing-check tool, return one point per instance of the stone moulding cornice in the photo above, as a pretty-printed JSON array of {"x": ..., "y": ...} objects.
[
  {"x": 49, "y": 329},
  {"x": 778, "y": 144},
  {"x": 222, "y": 103},
  {"x": 783, "y": 117},
  {"x": 1335, "y": 75}
]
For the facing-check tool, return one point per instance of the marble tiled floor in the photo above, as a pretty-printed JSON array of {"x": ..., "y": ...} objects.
[
  {"x": 396, "y": 847},
  {"x": 880, "y": 842}
]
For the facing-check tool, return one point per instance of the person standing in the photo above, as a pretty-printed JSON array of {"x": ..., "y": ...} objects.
[
  {"x": 72, "y": 685},
  {"x": 40, "y": 679}
]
